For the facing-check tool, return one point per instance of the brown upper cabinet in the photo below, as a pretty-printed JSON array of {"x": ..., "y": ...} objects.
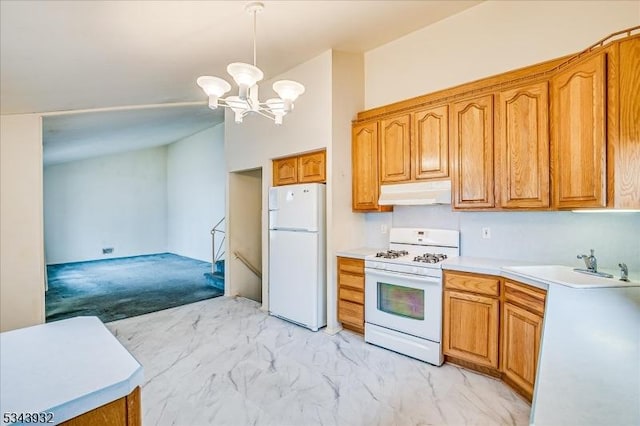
[
  {"x": 311, "y": 167},
  {"x": 415, "y": 146},
  {"x": 430, "y": 143},
  {"x": 623, "y": 128},
  {"x": 472, "y": 153},
  {"x": 522, "y": 147},
  {"x": 303, "y": 168},
  {"x": 578, "y": 139},
  {"x": 558, "y": 135},
  {"x": 285, "y": 171},
  {"x": 364, "y": 160},
  {"x": 395, "y": 149}
]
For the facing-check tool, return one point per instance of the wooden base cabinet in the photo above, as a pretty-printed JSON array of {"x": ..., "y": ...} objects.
[
  {"x": 471, "y": 318},
  {"x": 351, "y": 293},
  {"x": 494, "y": 327},
  {"x": 125, "y": 411},
  {"x": 521, "y": 343},
  {"x": 471, "y": 328},
  {"x": 522, "y": 314}
]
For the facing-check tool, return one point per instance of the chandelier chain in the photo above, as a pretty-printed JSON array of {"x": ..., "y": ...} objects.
[
  {"x": 247, "y": 76},
  {"x": 254, "y": 37}
]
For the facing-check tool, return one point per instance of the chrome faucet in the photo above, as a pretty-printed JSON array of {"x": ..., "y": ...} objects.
[
  {"x": 590, "y": 261},
  {"x": 624, "y": 272}
]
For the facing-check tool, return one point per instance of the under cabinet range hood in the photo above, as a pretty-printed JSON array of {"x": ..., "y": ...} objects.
[{"x": 416, "y": 193}]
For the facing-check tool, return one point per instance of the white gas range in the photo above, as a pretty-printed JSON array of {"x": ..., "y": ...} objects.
[{"x": 403, "y": 292}]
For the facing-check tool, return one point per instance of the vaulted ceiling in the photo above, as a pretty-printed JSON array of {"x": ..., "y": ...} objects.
[{"x": 74, "y": 55}]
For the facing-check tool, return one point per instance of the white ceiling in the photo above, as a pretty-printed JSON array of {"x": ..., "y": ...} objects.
[
  {"x": 73, "y": 137},
  {"x": 73, "y": 55}
]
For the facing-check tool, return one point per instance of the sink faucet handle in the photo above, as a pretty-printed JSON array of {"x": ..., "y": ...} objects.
[
  {"x": 590, "y": 261},
  {"x": 624, "y": 272}
]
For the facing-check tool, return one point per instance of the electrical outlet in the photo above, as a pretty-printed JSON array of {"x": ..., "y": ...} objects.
[
  {"x": 384, "y": 229},
  {"x": 486, "y": 233},
  {"x": 107, "y": 250}
]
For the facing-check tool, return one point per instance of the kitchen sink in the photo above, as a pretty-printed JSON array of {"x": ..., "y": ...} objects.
[
  {"x": 597, "y": 274},
  {"x": 567, "y": 276}
]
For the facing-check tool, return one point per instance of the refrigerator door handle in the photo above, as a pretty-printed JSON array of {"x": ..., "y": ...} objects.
[{"x": 273, "y": 198}]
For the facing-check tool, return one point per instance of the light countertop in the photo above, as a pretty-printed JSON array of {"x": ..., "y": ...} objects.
[
  {"x": 534, "y": 274},
  {"x": 480, "y": 265},
  {"x": 65, "y": 367},
  {"x": 358, "y": 253},
  {"x": 588, "y": 369}
]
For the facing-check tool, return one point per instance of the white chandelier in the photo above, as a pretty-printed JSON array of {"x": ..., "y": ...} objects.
[{"x": 246, "y": 76}]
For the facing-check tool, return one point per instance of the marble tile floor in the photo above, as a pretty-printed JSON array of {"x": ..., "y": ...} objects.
[{"x": 224, "y": 361}]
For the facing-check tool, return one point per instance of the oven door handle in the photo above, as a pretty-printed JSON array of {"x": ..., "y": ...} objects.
[{"x": 395, "y": 275}]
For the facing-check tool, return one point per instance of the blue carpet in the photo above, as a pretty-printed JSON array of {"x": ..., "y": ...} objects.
[{"x": 114, "y": 289}]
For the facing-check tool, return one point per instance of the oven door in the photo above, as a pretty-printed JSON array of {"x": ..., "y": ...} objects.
[{"x": 407, "y": 303}]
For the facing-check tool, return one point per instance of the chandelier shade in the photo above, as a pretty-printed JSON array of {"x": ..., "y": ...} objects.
[{"x": 246, "y": 76}]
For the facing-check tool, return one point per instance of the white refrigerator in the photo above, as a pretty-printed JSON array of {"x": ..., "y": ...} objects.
[{"x": 297, "y": 265}]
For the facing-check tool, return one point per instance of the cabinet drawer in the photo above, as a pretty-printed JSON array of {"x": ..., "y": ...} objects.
[
  {"x": 481, "y": 284},
  {"x": 353, "y": 266},
  {"x": 355, "y": 281},
  {"x": 525, "y": 296},
  {"x": 351, "y": 313},
  {"x": 352, "y": 295}
]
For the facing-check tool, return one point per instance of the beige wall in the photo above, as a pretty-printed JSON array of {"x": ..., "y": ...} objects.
[
  {"x": 322, "y": 119},
  {"x": 494, "y": 37},
  {"x": 346, "y": 228},
  {"x": 255, "y": 142},
  {"x": 488, "y": 39},
  {"x": 244, "y": 231},
  {"x": 21, "y": 235}
]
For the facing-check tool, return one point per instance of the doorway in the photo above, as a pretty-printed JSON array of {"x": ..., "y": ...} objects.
[{"x": 244, "y": 227}]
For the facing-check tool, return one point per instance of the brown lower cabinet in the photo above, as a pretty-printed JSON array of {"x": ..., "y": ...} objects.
[
  {"x": 494, "y": 326},
  {"x": 351, "y": 293},
  {"x": 121, "y": 412}
]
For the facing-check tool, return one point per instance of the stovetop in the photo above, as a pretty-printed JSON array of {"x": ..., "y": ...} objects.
[
  {"x": 404, "y": 256},
  {"x": 416, "y": 251}
]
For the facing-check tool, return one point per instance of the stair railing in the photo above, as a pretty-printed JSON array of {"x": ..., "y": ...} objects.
[
  {"x": 216, "y": 251},
  {"x": 248, "y": 264}
]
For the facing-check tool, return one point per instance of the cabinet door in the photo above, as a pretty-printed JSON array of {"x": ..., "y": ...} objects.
[
  {"x": 364, "y": 159},
  {"x": 521, "y": 342},
  {"x": 285, "y": 171},
  {"x": 395, "y": 149},
  {"x": 578, "y": 137},
  {"x": 623, "y": 145},
  {"x": 522, "y": 148},
  {"x": 470, "y": 330},
  {"x": 472, "y": 153},
  {"x": 430, "y": 143},
  {"x": 312, "y": 167}
]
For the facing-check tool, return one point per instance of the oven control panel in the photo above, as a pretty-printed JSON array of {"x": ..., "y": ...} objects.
[{"x": 405, "y": 269}]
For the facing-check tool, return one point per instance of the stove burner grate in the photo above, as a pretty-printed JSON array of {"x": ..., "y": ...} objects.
[
  {"x": 430, "y": 258},
  {"x": 392, "y": 254}
]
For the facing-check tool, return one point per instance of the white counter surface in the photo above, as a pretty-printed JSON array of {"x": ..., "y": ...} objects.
[
  {"x": 534, "y": 274},
  {"x": 358, "y": 253},
  {"x": 480, "y": 265},
  {"x": 66, "y": 368},
  {"x": 589, "y": 363}
]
